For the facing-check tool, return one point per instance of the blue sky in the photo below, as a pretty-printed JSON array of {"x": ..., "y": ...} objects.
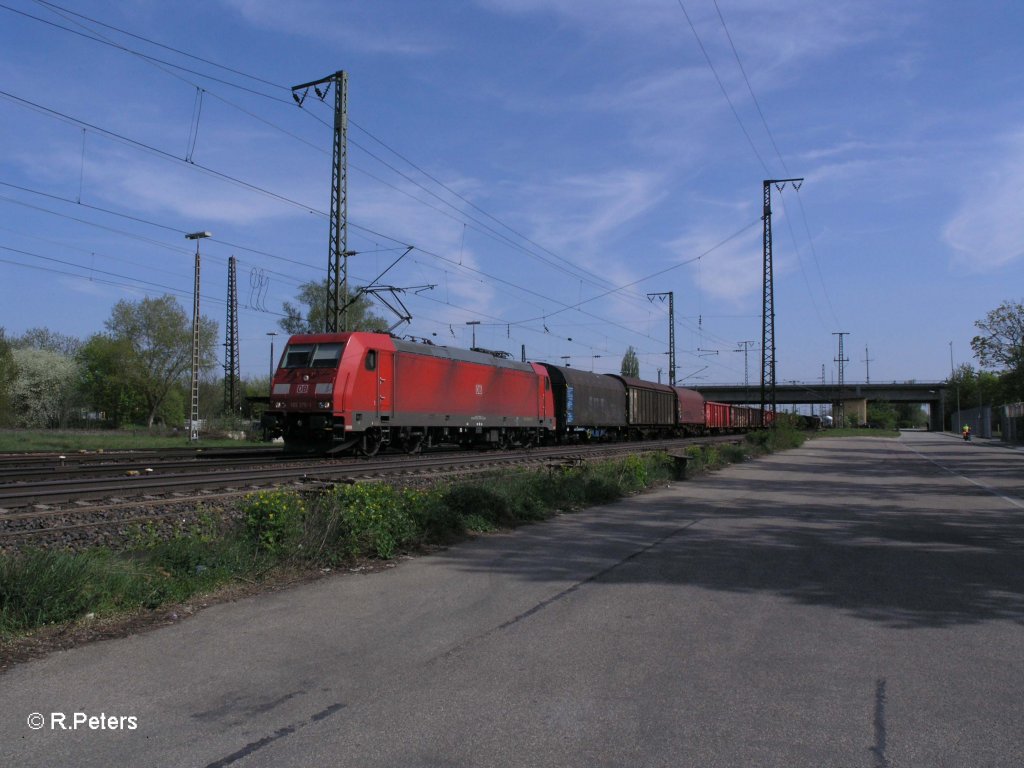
[{"x": 539, "y": 155}]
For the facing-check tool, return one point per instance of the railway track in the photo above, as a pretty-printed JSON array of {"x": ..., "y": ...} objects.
[
  {"x": 36, "y": 464},
  {"x": 65, "y": 509}
]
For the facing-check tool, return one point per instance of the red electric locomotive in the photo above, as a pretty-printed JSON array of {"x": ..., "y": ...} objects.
[{"x": 363, "y": 391}]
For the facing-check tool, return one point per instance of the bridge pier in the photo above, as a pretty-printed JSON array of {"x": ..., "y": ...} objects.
[{"x": 857, "y": 407}]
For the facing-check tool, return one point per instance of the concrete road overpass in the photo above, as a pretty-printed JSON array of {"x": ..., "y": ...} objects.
[{"x": 852, "y": 398}]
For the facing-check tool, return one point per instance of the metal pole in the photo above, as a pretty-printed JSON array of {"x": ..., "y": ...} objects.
[
  {"x": 745, "y": 348},
  {"x": 232, "y": 365},
  {"x": 271, "y": 334},
  {"x": 839, "y": 390},
  {"x": 193, "y": 426},
  {"x": 671, "y": 332},
  {"x": 768, "y": 302},
  {"x": 952, "y": 375},
  {"x": 337, "y": 262}
]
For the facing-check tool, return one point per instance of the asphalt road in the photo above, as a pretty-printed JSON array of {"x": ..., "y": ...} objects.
[{"x": 855, "y": 602}]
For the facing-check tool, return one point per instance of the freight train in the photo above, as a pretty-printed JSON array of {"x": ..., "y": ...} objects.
[{"x": 361, "y": 392}]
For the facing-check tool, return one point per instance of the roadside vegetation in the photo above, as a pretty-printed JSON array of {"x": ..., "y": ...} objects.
[{"x": 282, "y": 531}]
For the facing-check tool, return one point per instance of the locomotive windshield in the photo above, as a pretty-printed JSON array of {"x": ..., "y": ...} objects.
[
  {"x": 324, "y": 355},
  {"x": 297, "y": 356},
  {"x": 327, "y": 355}
]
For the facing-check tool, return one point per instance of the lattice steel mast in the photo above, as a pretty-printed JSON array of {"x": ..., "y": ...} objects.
[
  {"x": 671, "y": 333},
  {"x": 232, "y": 366},
  {"x": 337, "y": 262},
  {"x": 768, "y": 398},
  {"x": 842, "y": 360},
  {"x": 193, "y": 411}
]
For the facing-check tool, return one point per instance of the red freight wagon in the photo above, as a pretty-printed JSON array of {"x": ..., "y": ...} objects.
[
  {"x": 716, "y": 416},
  {"x": 739, "y": 417},
  {"x": 691, "y": 410}
]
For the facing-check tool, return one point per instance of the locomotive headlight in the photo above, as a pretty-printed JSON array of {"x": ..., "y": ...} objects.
[
  {"x": 325, "y": 403},
  {"x": 279, "y": 404}
]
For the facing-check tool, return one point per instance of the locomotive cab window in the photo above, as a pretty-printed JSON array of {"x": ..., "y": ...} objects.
[
  {"x": 371, "y": 360},
  {"x": 326, "y": 355},
  {"x": 297, "y": 356}
]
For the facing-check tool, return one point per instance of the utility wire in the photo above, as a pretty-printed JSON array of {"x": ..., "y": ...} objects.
[
  {"x": 227, "y": 177},
  {"x": 577, "y": 272},
  {"x": 785, "y": 168},
  {"x": 721, "y": 87},
  {"x": 54, "y": 6}
]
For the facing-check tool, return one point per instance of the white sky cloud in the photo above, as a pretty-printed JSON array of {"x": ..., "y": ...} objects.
[{"x": 986, "y": 232}]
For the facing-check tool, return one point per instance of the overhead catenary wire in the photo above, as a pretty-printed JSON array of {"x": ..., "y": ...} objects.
[
  {"x": 162, "y": 63},
  {"x": 435, "y": 180},
  {"x": 576, "y": 270},
  {"x": 785, "y": 168}
]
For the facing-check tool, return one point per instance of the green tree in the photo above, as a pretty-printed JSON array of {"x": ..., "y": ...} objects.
[
  {"x": 51, "y": 341},
  {"x": 42, "y": 395},
  {"x": 975, "y": 387},
  {"x": 1000, "y": 346},
  {"x": 630, "y": 363},
  {"x": 310, "y": 314},
  {"x": 910, "y": 415},
  {"x": 882, "y": 414},
  {"x": 102, "y": 382},
  {"x": 159, "y": 336},
  {"x": 8, "y": 373}
]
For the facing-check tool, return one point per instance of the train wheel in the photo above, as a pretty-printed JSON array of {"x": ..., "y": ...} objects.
[
  {"x": 414, "y": 444},
  {"x": 370, "y": 443}
]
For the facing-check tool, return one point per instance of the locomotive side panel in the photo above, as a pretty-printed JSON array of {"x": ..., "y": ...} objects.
[{"x": 434, "y": 391}]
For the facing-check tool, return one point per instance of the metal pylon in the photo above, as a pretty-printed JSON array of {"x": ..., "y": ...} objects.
[{"x": 232, "y": 367}]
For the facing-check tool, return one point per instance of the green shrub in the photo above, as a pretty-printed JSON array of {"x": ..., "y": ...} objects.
[
  {"x": 600, "y": 490},
  {"x": 274, "y": 519},
  {"x": 633, "y": 473},
  {"x": 365, "y": 519},
  {"x": 732, "y": 454},
  {"x": 472, "y": 499},
  {"x": 478, "y": 524},
  {"x": 435, "y": 521}
]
